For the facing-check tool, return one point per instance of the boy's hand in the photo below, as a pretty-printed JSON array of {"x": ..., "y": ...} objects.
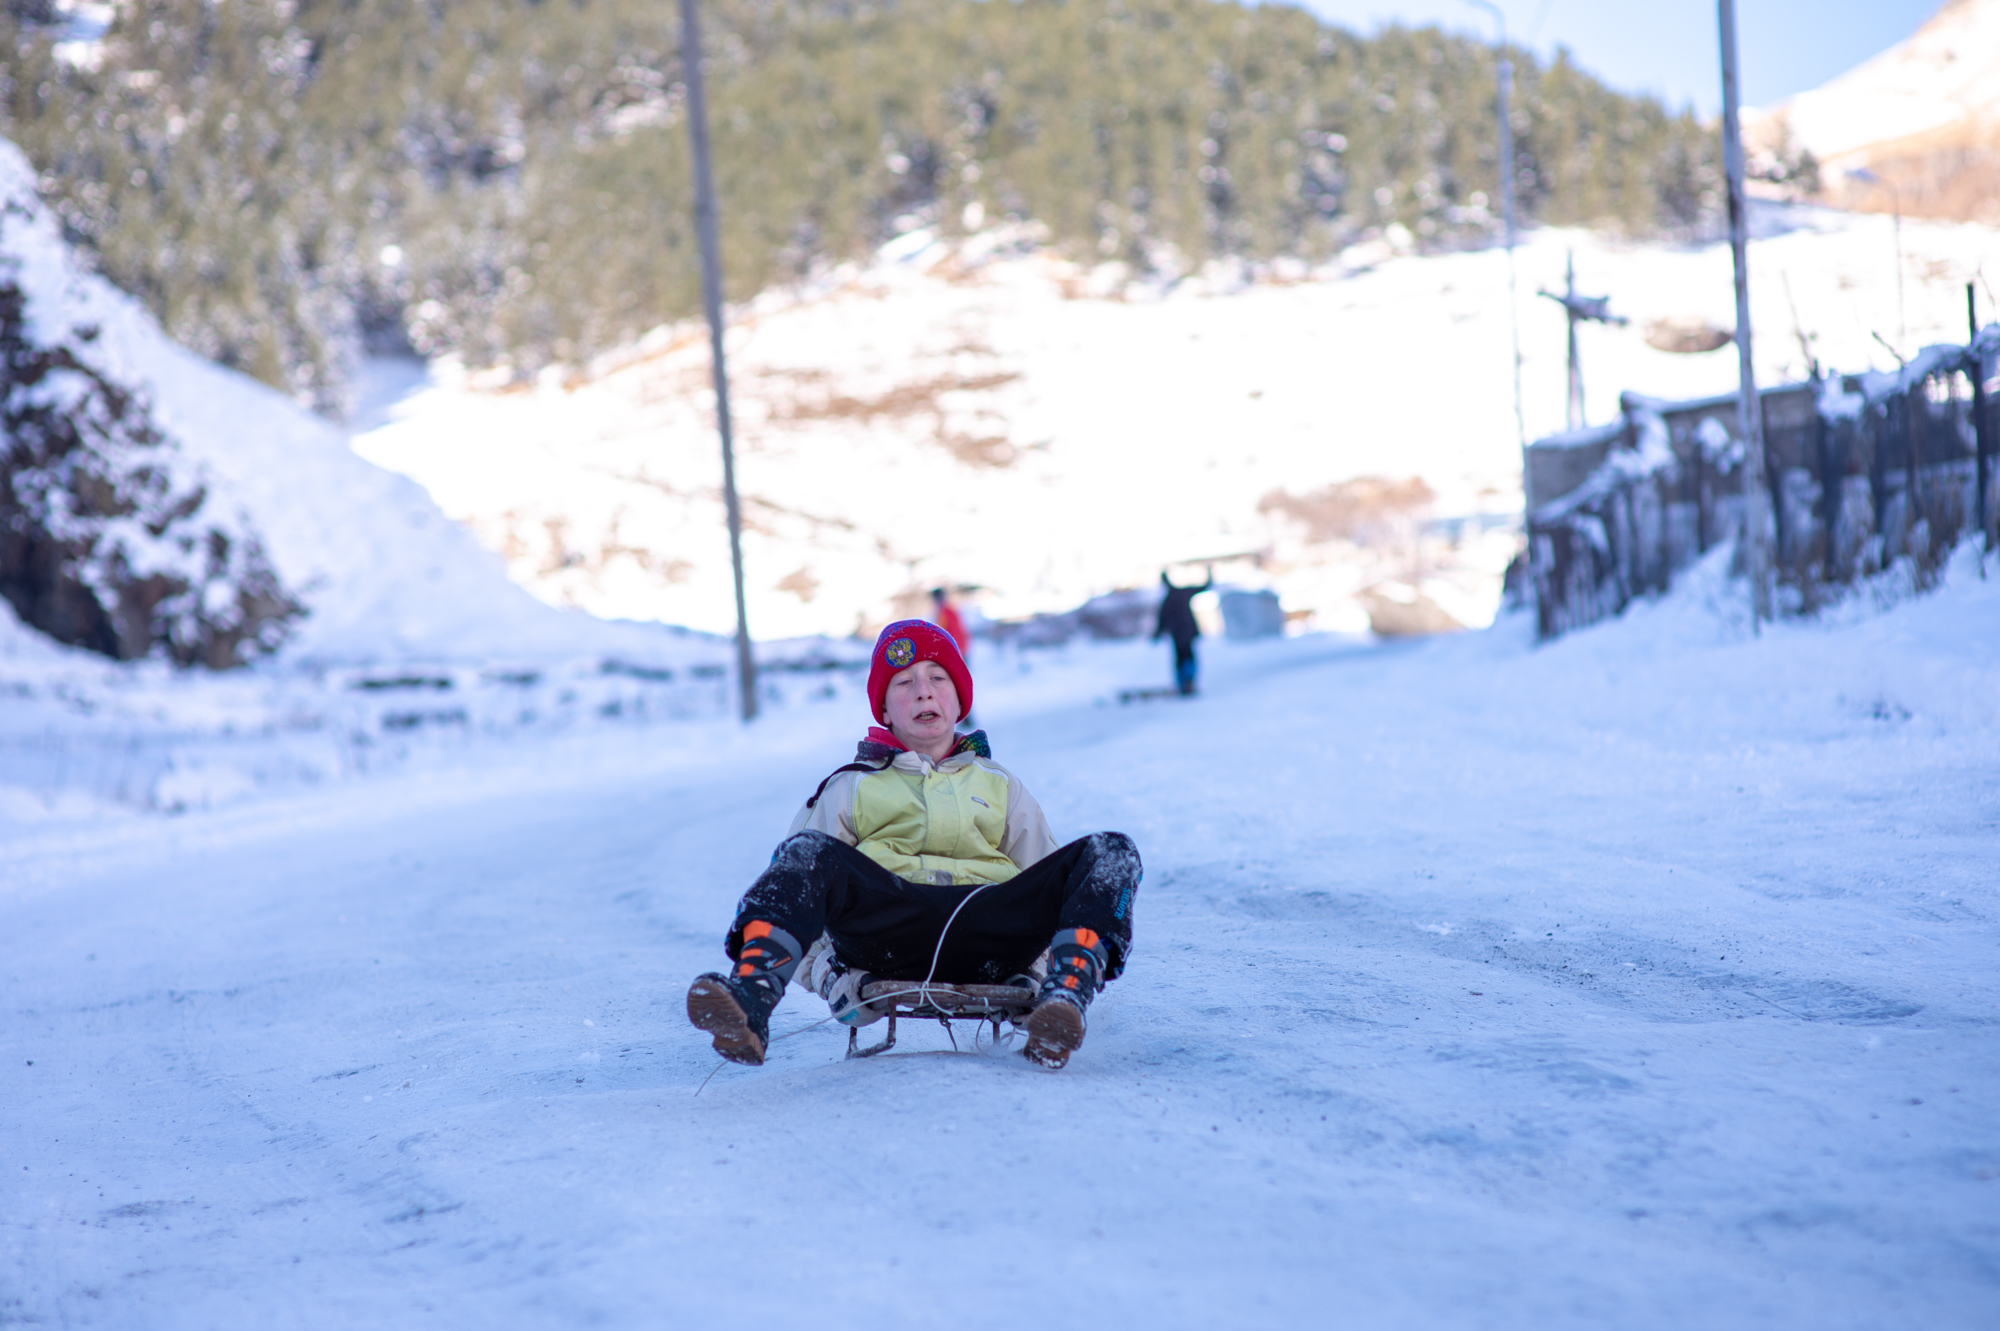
[
  {"x": 843, "y": 996},
  {"x": 840, "y": 987}
]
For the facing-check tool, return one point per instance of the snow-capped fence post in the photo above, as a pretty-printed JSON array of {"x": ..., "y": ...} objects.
[
  {"x": 1831, "y": 490},
  {"x": 711, "y": 300},
  {"x": 1915, "y": 509},
  {"x": 1874, "y": 467},
  {"x": 1982, "y": 425}
]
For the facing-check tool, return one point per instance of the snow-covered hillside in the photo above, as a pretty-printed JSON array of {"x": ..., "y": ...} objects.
[
  {"x": 414, "y": 638},
  {"x": 1640, "y": 980},
  {"x": 990, "y": 414},
  {"x": 1945, "y": 75},
  {"x": 384, "y": 575},
  {"x": 1915, "y": 129}
]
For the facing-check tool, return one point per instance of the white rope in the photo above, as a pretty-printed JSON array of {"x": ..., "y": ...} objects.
[{"x": 923, "y": 989}]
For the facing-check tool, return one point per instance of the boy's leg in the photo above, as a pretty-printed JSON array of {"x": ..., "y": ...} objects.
[
  {"x": 1184, "y": 665},
  {"x": 1076, "y": 904},
  {"x": 736, "y": 1008},
  {"x": 1087, "y": 885},
  {"x": 1079, "y": 897},
  {"x": 890, "y": 927},
  {"x": 815, "y": 883},
  {"x": 784, "y": 910},
  {"x": 878, "y": 922},
  {"x": 793, "y": 890}
]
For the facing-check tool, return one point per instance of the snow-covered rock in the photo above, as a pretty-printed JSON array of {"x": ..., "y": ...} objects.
[
  {"x": 107, "y": 536},
  {"x": 410, "y": 638},
  {"x": 381, "y": 573}
]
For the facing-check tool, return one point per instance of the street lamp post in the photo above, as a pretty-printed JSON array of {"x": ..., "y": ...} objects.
[
  {"x": 711, "y": 299},
  {"x": 1749, "y": 407}
]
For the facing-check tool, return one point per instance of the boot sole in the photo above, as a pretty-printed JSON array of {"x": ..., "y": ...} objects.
[
  {"x": 1055, "y": 1030},
  {"x": 712, "y": 1008}
]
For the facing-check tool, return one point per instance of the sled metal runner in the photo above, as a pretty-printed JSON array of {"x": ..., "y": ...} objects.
[{"x": 944, "y": 1004}]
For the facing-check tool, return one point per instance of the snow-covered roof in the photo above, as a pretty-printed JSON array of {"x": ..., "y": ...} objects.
[{"x": 1588, "y": 436}]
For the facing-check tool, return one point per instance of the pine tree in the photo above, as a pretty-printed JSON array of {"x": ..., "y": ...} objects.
[{"x": 286, "y": 181}]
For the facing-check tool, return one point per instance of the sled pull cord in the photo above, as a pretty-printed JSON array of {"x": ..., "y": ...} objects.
[{"x": 922, "y": 989}]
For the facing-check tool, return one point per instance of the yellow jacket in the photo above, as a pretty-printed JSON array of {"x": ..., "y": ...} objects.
[{"x": 964, "y": 821}]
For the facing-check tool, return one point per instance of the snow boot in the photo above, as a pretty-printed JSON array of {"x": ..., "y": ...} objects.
[
  {"x": 736, "y": 1009},
  {"x": 1076, "y": 972}
]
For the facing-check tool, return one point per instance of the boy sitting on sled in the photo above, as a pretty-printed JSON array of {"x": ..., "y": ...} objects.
[{"x": 924, "y": 860}]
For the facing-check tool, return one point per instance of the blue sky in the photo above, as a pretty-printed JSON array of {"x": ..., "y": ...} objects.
[{"x": 1668, "y": 47}]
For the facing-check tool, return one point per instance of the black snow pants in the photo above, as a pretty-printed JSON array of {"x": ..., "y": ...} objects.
[
  {"x": 1184, "y": 663},
  {"x": 890, "y": 926}
]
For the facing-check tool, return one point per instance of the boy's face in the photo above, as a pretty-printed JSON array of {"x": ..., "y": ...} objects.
[{"x": 921, "y": 705}]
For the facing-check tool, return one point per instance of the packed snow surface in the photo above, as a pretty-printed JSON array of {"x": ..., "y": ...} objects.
[{"x": 1643, "y": 979}]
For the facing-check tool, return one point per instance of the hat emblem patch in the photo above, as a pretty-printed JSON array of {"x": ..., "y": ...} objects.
[{"x": 900, "y": 653}]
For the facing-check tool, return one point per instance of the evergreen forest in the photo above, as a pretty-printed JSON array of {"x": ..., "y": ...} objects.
[{"x": 288, "y": 182}]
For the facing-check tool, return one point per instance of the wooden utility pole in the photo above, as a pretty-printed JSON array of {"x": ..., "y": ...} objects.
[
  {"x": 1749, "y": 407},
  {"x": 1506, "y": 70},
  {"x": 1580, "y": 309},
  {"x": 1573, "y": 407},
  {"x": 711, "y": 299},
  {"x": 1982, "y": 428}
]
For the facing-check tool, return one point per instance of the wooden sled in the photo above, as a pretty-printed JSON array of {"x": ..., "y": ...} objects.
[{"x": 942, "y": 1003}]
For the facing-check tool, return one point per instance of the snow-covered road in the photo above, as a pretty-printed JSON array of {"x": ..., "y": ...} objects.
[{"x": 1645, "y": 979}]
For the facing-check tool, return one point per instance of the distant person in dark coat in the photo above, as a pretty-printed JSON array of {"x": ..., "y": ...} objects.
[{"x": 1177, "y": 623}]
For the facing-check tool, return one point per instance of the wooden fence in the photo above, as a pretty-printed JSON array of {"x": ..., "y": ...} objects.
[{"x": 1863, "y": 470}]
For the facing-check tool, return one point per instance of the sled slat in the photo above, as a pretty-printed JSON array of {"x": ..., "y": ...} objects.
[{"x": 950, "y": 1000}]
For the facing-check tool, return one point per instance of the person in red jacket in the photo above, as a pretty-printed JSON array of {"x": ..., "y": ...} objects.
[
  {"x": 947, "y": 618},
  {"x": 950, "y": 621},
  {"x": 924, "y": 860}
]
